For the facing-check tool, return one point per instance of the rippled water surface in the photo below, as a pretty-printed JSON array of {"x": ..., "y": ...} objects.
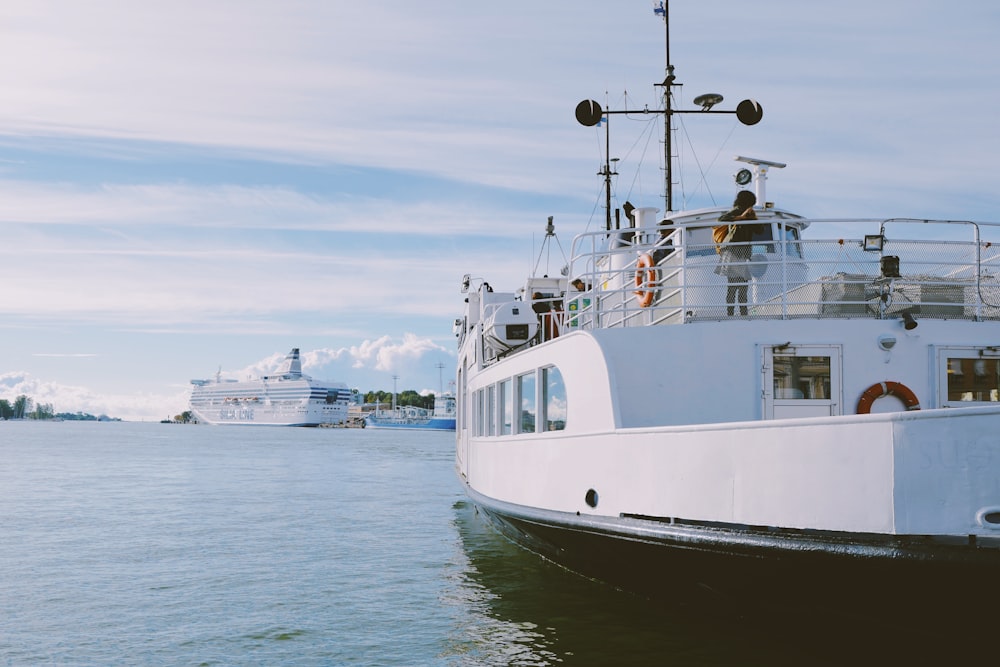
[{"x": 126, "y": 544}]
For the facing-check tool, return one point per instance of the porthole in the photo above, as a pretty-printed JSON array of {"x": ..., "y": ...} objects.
[{"x": 989, "y": 517}]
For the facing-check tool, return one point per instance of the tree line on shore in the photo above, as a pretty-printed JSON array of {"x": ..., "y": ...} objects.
[
  {"x": 24, "y": 407},
  {"x": 406, "y": 397}
]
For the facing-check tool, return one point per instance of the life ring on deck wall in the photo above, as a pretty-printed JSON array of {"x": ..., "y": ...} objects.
[
  {"x": 645, "y": 278},
  {"x": 887, "y": 388}
]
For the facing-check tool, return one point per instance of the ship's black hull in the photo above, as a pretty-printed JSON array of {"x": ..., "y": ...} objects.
[{"x": 916, "y": 580}]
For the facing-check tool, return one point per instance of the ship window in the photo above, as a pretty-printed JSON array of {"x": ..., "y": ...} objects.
[
  {"x": 491, "y": 417},
  {"x": 760, "y": 237},
  {"x": 553, "y": 400},
  {"x": 699, "y": 242},
  {"x": 506, "y": 411},
  {"x": 801, "y": 381},
  {"x": 461, "y": 401},
  {"x": 793, "y": 248},
  {"x": 801, "y": 377},
  {"x": 975, "y": 380},
  {"x": 478, "y": 402},
  {"x": 526, "y": 393}
]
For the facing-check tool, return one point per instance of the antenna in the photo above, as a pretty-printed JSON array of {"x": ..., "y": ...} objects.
[
  {"x": 440, "y": 366},
  {"x": 590, "y": 113},
  {"x": 550, "y": 233}
]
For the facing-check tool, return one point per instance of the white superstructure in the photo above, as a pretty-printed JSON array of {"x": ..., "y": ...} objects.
[{"x": 287, "y": 398}]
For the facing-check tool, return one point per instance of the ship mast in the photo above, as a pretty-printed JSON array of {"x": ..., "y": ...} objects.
[
  {"x": 668, "y": 80},
  {"x": 589, "y": 113}
]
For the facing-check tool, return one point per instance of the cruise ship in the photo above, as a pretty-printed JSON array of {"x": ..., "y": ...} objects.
[{"x": 287, "y": 398}]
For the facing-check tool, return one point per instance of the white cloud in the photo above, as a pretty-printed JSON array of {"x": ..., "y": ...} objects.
[
  {"x": 390, "y": 356},
  {"x": 72, "y": 399},
  {"x": 133, "y": 210},
  {"x": 379, "y": 358},
  {"x": 385, "y": 355},
  {"x": 181, "y": 254}
]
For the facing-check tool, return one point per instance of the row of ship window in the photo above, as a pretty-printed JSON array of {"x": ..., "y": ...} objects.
[
  {"x": 969, "y": 379},
  {"x": 535, "y": 402},
  {"x": 532, "y": 402}
]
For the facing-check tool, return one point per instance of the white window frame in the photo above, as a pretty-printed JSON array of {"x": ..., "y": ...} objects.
[
  {"x": 943, "y": 354},
  {"x": 519, "y": 400},
  {"x": 832, "y": 405}
]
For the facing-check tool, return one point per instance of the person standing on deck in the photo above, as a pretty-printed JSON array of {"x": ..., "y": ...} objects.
[{"x": 734, "y": 250}]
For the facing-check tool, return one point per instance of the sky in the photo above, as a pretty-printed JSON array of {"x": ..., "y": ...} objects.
[{"x": 188, "y": 187}]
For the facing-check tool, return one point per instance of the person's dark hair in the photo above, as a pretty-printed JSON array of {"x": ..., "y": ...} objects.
[{"x": 745, "y": 198}]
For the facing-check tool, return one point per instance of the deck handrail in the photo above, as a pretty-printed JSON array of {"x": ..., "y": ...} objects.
[{"x": 952, "y": 274}]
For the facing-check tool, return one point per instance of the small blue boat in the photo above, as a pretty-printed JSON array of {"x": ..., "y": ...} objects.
[{"x": 441, "y": 418}]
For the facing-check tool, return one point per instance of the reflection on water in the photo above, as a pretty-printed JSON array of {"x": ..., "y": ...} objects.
[
  {"x": 523, "y": 610},
  {"x": 488, "y": 635}
]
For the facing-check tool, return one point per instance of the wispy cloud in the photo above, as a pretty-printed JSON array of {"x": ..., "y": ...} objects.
[{"x": 76, "y": 355}]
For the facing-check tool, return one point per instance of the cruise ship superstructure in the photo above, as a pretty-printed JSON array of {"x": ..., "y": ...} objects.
[{"x": 287, "y": 398}]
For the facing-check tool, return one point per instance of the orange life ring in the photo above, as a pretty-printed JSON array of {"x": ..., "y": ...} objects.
[
  {"x": 645, "y": 278},
  {"x": 887, "y": 388}
]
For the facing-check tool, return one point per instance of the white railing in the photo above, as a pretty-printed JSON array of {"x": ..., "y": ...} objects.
[{"x": 952, "y": 273}]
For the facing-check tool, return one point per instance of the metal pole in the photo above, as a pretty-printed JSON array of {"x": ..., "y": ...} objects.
[
  {"x": 667, "y": 118},
  {"x": 607, "y": 170}
]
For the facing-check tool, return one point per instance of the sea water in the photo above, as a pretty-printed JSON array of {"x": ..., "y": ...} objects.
[{"x": 165, "y": 544}]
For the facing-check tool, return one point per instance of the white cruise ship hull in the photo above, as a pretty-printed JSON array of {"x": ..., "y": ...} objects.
[
  {"x": 288, "y": 398},
  {"x": 268, "y": 404}
]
